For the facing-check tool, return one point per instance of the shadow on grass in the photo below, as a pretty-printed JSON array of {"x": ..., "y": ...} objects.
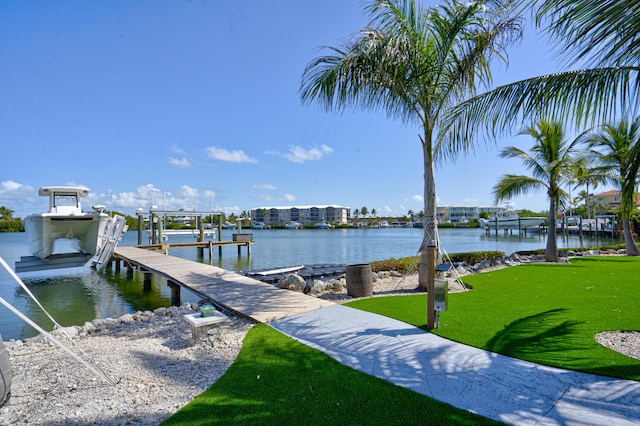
[{"x": 544, "y": 334}]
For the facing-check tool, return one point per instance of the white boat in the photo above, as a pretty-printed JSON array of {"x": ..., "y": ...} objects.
[
  {"x": 88, "y": 232},
  {"x": 229, "y": 225},
  {"x": 512, "y": 221},
  {"x": 292, "y": 225},
  {"x": 323, "y": 225},
  {"x": 259, "y": 225}
]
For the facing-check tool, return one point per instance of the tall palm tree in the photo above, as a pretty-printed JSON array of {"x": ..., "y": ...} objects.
[
  {"x": 585, "y": 173},
  {"x": 415, "y": 64},
  {"x": 603, "y": 36},
  {"x": 550, "y": 163},
  {"x": 617, "y": 146}
]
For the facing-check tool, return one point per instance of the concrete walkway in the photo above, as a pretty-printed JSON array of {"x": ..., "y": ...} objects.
[{"x": 495, "y": 386}]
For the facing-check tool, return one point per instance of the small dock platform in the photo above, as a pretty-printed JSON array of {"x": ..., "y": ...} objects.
[{"x": 243, "y": 295}]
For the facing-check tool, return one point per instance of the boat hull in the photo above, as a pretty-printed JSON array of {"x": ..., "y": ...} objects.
[{"x": 84, "y": 229}]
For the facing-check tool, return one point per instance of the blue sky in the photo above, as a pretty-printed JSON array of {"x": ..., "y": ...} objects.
[{"x": 196, "y": 103}]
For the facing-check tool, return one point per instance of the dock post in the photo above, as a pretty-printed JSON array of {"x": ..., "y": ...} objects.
[
  {"x": 248, "y": 249},
  {"x": 118, "y": 264},
  {"x": 175, "y": 293},
  {"x": 146, "y": 282},
  {"x": 129, "y": 271}
]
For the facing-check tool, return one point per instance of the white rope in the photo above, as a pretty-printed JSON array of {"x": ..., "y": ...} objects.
[
  {"x": 99, "y": 373},
  {"x": 455, "y": 271},
  {"x": 409, "y": 270}
]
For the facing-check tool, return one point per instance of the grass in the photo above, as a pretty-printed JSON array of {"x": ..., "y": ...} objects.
[
  {"x": 276, "y": 380},
  {"x": 545, "y": 313}
]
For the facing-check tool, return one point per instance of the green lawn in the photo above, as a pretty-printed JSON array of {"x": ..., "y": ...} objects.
[
  {"x": 277, "y": 381},
  {"x": 545, "y": 313}
]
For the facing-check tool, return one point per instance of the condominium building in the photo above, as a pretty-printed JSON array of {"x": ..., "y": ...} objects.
[{"x": 301, "y": 214}]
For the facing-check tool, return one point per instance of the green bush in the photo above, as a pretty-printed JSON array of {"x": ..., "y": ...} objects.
[
  {"x": 401, "y": 265},
  {"x": 475, "y": 256}
]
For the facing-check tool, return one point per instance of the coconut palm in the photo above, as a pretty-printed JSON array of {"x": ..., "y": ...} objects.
[
  {"x": 618, "y": 147},
  {"x": 550, "y": 163},
  {"x": 585, "y": 173},
  {"x": 603, "y": 37},
  {"x": 415, "y": 64}
]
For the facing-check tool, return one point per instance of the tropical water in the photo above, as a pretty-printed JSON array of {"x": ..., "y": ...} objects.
[{"x": 76, "y": 295}]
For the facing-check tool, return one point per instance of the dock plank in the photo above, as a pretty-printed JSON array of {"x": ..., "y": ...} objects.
[{"x": 244, "y": 295}]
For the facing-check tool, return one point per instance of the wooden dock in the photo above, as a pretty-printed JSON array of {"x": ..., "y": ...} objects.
[{"x": 243, "y": 295}]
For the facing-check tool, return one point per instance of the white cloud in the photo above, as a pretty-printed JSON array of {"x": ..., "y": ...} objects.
[
  {"x": 418, "y": 198},
  {"x": 387, "y": 209},
  {"x": 236, "y": 156},
  {"x": 267, "y": 197},
  {"x": 188, "y": 191},
  {"x": 181, "y": 163},
  {"x": 266, "y": 186},
  {"x": 288, "y": 197},
  {"x": 297, "y": 154}
]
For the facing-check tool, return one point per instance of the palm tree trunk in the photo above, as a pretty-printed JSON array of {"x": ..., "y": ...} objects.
[
  {"x": 629, "y": 242},
  {"x": 551, "y": 255},
  {"x": 429, "y": 247}
]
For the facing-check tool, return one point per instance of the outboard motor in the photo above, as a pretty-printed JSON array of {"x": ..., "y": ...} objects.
[{"x": 5, "y": 374}]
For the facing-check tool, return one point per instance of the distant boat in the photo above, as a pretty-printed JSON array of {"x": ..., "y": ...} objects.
[
  {"x": 229, "y": 225},
  {"x": 512, "y": 221},
  {"x": 65, "y": 219},
  {"x": 384, "y": 224},
  {"x": 259, "y": 225},
  {"x": 323, "y": 225},
  {"x": 292, "y": 225}
]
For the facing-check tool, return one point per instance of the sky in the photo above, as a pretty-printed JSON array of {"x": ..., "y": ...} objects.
[{"x": 196, "y": 105}]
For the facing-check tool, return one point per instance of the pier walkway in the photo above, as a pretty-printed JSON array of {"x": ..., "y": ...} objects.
[{"x": 246, "y": 296}]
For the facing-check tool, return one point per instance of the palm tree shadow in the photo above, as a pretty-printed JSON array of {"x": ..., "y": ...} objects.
[{"x": 543, "y": 334}]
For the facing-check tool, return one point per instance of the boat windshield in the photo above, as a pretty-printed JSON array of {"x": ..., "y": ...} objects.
[{"x": 62, "y": 199}]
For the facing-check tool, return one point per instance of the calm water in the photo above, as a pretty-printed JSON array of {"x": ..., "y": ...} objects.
[{"x": 76, "y": 295}]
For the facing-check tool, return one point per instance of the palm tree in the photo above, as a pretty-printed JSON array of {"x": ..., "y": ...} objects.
[
  {"x": 550, "y": 163},
  {"x": 415, "y": 64},
  {"x": 585, "y": 173},
  {"x": 617, "y": 146},
  {"x": 604, "y": 36}
]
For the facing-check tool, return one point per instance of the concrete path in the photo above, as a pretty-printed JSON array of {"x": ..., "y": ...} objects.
[{"x": 495, "y": 386}]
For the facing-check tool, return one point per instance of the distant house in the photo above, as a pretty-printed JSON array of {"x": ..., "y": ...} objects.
[{"x": 612, "y": 199}]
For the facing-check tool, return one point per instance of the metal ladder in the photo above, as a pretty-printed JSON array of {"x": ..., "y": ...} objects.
[{"x": 112, "y": 234}]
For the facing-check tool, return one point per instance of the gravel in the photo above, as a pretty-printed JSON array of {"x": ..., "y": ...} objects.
[{"x": 157, "y": 365}]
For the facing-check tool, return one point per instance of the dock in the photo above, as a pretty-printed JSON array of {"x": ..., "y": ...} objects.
[{"x": 243, "y": 295}]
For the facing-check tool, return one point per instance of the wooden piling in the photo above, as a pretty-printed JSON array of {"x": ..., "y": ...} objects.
[{"x": 175, "y": 293}]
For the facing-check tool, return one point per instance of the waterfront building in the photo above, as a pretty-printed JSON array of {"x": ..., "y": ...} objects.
[
  {"x": 612, "y": 199},
  {"x": 459, "y": 213},
  {"x": 302, "y": 214}
]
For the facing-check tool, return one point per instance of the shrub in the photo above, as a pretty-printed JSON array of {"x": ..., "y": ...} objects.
[{"x": 475, "y": 256}]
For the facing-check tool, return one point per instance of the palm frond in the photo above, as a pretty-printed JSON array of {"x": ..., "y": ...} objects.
[
  {"x": 510, "y": 186},
  {"x": 605, "y": 33},
  {"x": 590, "y": 95}
]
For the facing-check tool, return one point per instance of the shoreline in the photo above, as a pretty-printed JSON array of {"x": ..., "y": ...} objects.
[{"x": 157, "y": 365}]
